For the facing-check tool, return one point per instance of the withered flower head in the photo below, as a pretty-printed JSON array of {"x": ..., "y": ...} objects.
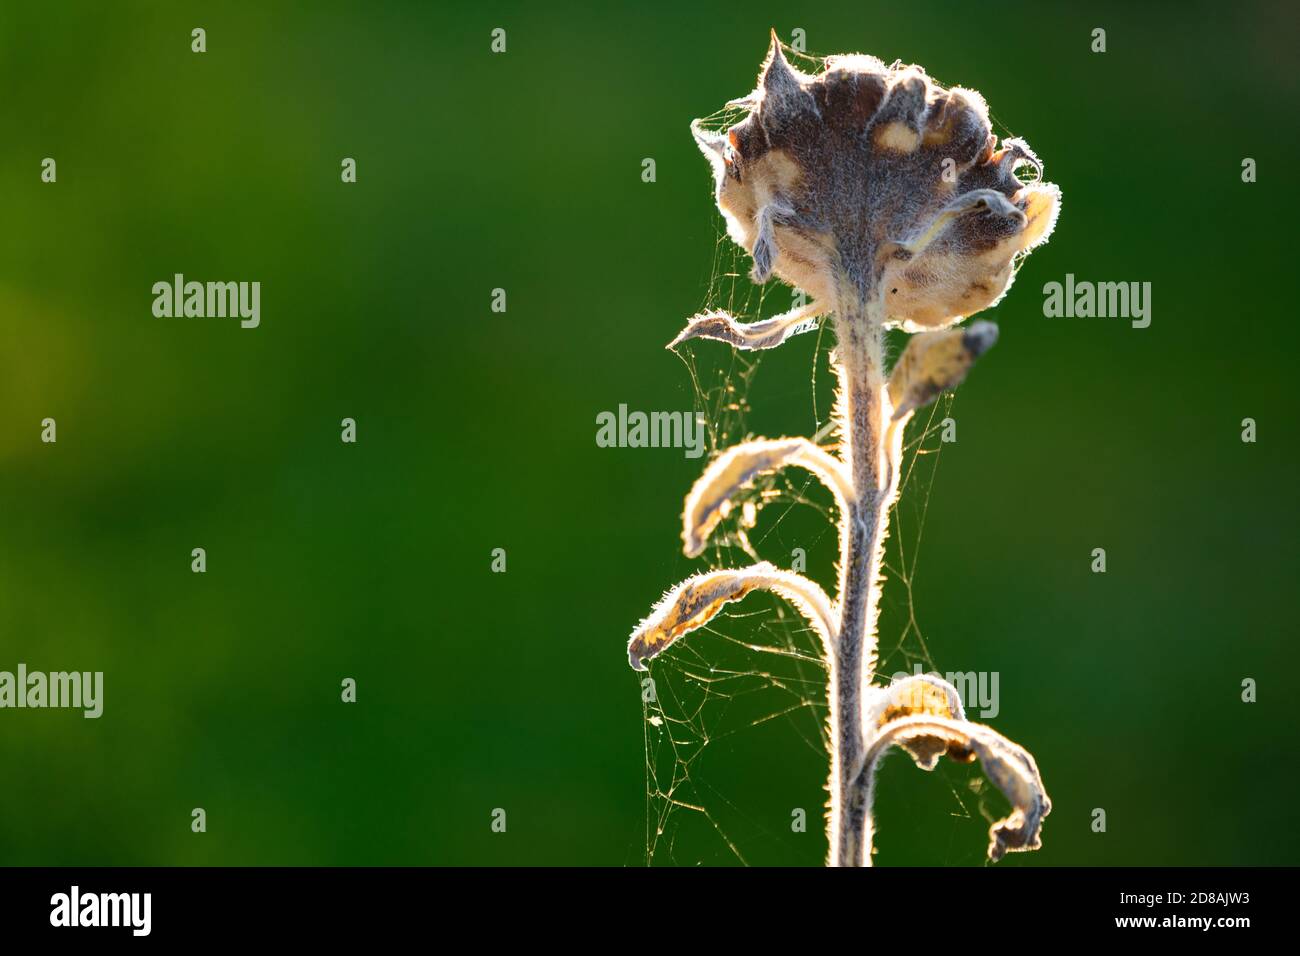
[
  {"x": 887, "y": 198},
  {"x": 873, "y": 179}
]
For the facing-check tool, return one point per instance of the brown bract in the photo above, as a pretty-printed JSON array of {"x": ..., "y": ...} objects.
[{"x": 877, "y": 176}]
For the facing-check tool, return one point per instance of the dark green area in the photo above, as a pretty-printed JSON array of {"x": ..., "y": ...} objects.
[{"x": 476, "y": 431}]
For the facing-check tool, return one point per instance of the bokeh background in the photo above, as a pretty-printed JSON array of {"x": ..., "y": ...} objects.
[{"x": 476, "y": 431}]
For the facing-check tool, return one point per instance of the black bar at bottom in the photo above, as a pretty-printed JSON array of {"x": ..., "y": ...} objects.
[{"x": 334, "y": 906}]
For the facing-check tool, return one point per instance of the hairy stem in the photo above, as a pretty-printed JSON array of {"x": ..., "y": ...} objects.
[{"x": 862, "y": 414}]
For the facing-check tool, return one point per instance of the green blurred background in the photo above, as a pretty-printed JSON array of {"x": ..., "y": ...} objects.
[{"x": 476, "y": 431}]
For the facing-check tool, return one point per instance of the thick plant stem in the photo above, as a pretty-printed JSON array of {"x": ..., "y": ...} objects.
[{"x": 862, "y": 414}]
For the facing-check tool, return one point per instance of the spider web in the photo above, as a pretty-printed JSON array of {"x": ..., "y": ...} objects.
[{"x": 735, "y": 730}]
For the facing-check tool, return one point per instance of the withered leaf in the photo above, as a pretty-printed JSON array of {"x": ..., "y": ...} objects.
[
  {"x": 709, "y": 500},
  {"x": 766, "y": 334},
  {"x": 1009, "y": 766},
  {"x": 700, "y": 598},
  {"x": 936, "y": 362}
]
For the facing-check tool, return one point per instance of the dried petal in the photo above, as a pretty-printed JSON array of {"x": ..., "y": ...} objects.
[
  {"x": 1008, "y": 765},
  {"x": 935, "y": 362},
  {"x": 710, "y": 497},
  {"x": 700, "y": 598}
]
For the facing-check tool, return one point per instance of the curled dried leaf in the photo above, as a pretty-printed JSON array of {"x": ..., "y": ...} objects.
[
  {"x": 921, "y": 694},
  {"x": 918, "y": 695},
  {"x": 975, "y": 202},
  {"x": 709, "y": 500},
  {"x": 1010, "y": 767},
  {"x": 767, "y": 334},
  {"x": 700, "y": 598},
  {"x": 935, "y": 362}
]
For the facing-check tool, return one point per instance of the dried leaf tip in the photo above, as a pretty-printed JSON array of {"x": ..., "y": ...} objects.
[{"x": 936, "y": 362}]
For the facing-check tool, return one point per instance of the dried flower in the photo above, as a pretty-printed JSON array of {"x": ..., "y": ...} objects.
[
  {"x": 887, "y": 199},
  {"x": 875, "y": 175}
]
